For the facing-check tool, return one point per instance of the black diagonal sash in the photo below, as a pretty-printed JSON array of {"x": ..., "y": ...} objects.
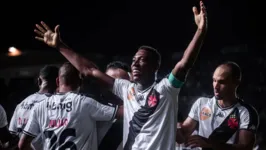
[
  {"x": 227, "y": 129},
  {"x": 141, "y": 117}
]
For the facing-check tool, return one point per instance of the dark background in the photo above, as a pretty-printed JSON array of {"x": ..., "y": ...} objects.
[{"x": 107, "y": 30}]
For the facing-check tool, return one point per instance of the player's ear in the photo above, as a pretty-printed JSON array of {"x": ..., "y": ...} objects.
[
  {"x": 57, "y": 81},
  {"x": 39, "y": 81}
]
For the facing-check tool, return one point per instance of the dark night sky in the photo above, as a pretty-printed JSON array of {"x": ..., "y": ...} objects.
[{"x": 123, "y": 25}]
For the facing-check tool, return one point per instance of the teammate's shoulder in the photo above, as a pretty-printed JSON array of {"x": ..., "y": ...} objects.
[
  {"x": 205, "y": 99},
  {"x": 81, "y": 96},
  {"x": 122, "y": 81},
  {"x": 244, "y": 106},
  {"x": 28, "y": 98}
]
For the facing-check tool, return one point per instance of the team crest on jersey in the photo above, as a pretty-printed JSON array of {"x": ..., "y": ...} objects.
[
  {"x": 152, "y": 100},
  {"x": 232, "y": 122},
  {"x": 131, "y": 93},
  {"x": 205, "y": 113}
]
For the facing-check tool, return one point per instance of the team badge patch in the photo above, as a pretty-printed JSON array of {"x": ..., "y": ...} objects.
[
  {"x": 232, "y": 122},
  {"x": 152, "y": 100}
]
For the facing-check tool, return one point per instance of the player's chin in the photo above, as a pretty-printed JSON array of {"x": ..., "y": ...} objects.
[{"x": 218, "y": 97}]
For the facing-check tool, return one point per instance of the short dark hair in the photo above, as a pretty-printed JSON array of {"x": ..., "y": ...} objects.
[
  {"x": 118, "y": 65},
  {"x": 155, "y": 54},
  {"x": 49, "y": 73},
  {"x": 235, "y": 70},
  {"x": 69, "y": 74}
]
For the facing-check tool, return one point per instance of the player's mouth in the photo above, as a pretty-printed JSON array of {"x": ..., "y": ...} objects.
[
  {"x": 216, "y": 92},
  {"x": 136, "y": 72}
]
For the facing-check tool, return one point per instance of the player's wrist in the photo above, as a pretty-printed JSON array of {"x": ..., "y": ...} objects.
[{"x": 60, "y": 44}]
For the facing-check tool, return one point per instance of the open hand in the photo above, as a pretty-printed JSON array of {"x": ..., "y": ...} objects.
[
  {"x": 200, "y": 18},
  {"x": 46, "y": 35}
]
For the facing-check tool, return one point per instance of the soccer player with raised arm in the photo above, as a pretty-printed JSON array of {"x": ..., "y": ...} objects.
[{"x": 150, "y": 107}]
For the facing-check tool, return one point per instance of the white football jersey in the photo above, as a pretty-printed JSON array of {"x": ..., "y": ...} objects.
[
  {"x": 3, "y": 120},
  {"x": 22, "y": 112},
  {"x": 150, "y": 116},
  {"x": 68, "y": 120},
  {"x": 220, "y": 123}
]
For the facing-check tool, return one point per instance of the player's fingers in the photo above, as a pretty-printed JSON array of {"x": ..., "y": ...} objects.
[
  {"x": 193, "y": 137},
  {"x": 39, "y": 38},
  {"x": 39, "y": 33},
  {"x": 45, "y": 25},
  {"x": 194, "y": 145},
  {"x": 189, "y": 143},
  {"x": 195, "y": 10},
  {"x": 202, "y": 7},
  {"x": 40, "y": 28}
]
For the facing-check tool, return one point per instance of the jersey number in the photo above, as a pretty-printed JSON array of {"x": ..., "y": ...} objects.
[{"x": 54, "y": 142}]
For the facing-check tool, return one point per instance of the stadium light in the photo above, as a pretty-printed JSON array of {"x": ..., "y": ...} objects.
[{"x": 12, "y": 51}]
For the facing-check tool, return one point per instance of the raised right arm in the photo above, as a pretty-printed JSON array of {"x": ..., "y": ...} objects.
[{"x": 85, "y": 66}]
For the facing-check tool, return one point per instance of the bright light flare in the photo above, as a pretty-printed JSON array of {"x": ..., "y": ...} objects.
[{"x": 12, "y": 51}]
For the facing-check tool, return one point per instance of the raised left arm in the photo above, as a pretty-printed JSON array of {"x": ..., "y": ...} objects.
[{"x": 190, "y": 55}]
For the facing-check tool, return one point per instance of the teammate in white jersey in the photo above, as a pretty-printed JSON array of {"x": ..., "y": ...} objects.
[
  {"x": 47, "y": 86},
  {"x": 67, "y": 120},
  {"x": 5, "y": 136},
  {"x": 150, "y": 113},
  {"x": 225, "y": 122},
  {"x": 108, "y": 130}
]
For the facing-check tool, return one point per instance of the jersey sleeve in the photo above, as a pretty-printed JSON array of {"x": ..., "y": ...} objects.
[
  {"x": 120, "y": 87},
  {"x": 13, "y": 123},
  {"x": 194, "y": 111},
  {"x": 32, "y": 127},
  {"x": 249, "y": 119},
  {"x": 98, "y": 111},
  {"x": 3, "y": 119},
  {"x": 174, "y": 82},
  {"x": 171, "y": 85}
]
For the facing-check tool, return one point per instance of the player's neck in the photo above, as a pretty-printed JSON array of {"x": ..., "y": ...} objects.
[
  {"x": 65, "y": 89},
  {"x": 45, "y": 90},
  {"x": 228, "y": 101},
  {"x": 144, "y": 85}
]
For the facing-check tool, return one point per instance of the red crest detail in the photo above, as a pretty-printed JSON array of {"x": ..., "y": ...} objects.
[
  {"x": 232, "y": 123},
  {"x": 152, "y": 100}
]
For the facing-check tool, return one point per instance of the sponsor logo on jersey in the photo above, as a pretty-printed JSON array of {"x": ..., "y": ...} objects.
[
  {"x": 63, "y": 106},
  {"x": 131, "y": 93},
  {"x": 27, "y": 106},
  {"x": 205, "y": 113},
  {"x": 221, "y": 114}
]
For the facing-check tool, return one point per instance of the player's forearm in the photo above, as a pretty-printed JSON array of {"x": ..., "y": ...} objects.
[
  {"x": 191, "y": 53},
  {"x": 78, "y": 61},
  {"x": 180, "y": 138}
]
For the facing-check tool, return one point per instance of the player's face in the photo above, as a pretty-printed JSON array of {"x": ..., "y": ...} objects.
[
  {"x": 222, "y": 82},
  {"x": 142, "y": 67},
  {"x": 118, "y": 73}
]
